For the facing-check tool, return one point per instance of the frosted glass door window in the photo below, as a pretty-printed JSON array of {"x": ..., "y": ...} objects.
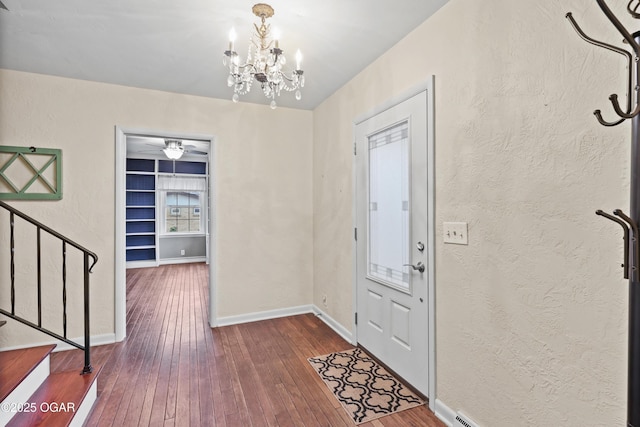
[{"x": 389, "y": 207}]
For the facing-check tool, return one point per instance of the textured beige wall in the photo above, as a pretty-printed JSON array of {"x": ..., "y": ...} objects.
[
  {"x": 264, "y": 210},
  {"x": 531, "y": 316}
]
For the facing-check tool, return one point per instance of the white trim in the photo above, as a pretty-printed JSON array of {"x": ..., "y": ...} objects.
[
  {"x": 264, "y": 315},
  {"x": 427, "y": 86},
  {"x": 120, "y": 222},
  {"x": 176, "y": 235},
  {"x": 442, "y": 411},
  {"x": 431, "y": 239},
  {"x": 354, "y": 243},
  {"x": 182, "y": 260},
  {"x": 141, "y": 264},
  {"x": 333, "y": 324},
  {"x": 82, "y": 413},
  {"x": 62, "y": 346},
  {"x": 120, "y": 291},
  {"x": 25, "y": 389},
  {"x": 398, "y": 99},
  {"x": 211, "y": 229}
]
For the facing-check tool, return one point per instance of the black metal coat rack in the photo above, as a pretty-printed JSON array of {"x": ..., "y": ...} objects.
[{"x": 629, "y": 224}]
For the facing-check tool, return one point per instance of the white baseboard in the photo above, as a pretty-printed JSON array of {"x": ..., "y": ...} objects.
[
  {"x": 141, "y": 264},
  {"x": 331, "y": 322},
  {"x": 446, "y": 414},
  {"x": 263, "y": 315},
  {"x": 63, "y": 346},
  {"x": 182, "y": 260},
  {"x": 284, "y": 312}
]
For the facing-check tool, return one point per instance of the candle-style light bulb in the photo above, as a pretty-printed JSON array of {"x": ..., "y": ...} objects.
[
  {"x": 276, "y": 37},
  {"x": 232, "y": 38},
  {"x": 298, "y": 59}
]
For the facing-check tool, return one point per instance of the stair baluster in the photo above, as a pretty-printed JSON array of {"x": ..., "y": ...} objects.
[{"x": 90, "y": 260}]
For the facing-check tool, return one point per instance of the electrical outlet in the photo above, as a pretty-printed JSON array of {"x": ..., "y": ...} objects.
[
  {"x": 324, "y": 300},
  {"x": 182, "y": 252},
  {"x": 455, "y": 233}
]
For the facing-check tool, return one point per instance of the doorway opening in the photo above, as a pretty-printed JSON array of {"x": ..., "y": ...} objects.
[{"x": 165, "y": 207}]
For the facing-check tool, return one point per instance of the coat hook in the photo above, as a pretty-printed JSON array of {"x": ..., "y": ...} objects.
[
  {"x": 625, "y": 237},
  {"x": 633, "y": 11},
  {"x": 620, "y": 51},
  {"x": 616, "y": 106},
  {"x": 32, "y": 149},
  {"x": 603, "y": 122},
  {"x": 621, "y": 29},
  {"x": 634, "y": 239},
  {"x": 632, "y": 247}
]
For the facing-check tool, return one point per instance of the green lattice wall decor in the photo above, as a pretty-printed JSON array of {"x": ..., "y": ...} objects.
[{"x": 29, "y": 173}]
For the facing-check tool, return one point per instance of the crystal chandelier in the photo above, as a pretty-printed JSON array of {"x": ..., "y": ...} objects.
[{"x": 264, "y": 63}]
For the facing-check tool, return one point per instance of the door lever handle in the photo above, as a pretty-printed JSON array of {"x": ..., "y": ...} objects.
[{"x": 419, "y": 266}]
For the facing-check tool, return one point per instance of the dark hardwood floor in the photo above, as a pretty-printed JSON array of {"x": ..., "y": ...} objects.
[{"x": 174, "y": 370}]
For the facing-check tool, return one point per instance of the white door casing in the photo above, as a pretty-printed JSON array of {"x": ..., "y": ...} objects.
[{"x": 394, "y": 212}]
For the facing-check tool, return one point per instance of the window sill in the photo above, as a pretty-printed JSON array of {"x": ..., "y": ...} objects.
[{"x": 170, "y": 235}]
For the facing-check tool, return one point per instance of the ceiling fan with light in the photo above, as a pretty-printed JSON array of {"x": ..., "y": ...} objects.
[{"x": 172, "y": 148}]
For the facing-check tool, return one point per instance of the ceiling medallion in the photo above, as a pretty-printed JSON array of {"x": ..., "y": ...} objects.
[{"x": 264, "y": 63}]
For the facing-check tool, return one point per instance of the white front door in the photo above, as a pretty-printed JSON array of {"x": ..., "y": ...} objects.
[{"x": 392, "y": 243}]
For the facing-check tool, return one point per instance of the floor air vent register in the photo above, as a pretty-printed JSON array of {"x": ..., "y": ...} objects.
[{"x": 463, "y": 421}]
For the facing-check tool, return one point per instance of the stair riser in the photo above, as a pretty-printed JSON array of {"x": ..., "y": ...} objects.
[
  {"x": 21, "y": 394},
  {"x": 85, "y": 407}
]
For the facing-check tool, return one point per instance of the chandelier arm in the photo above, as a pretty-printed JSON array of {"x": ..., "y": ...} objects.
[
  {"x": 287, "y": 78},
  {"x": 243, "y": 66},
  {"x": 292, "y": 78}
]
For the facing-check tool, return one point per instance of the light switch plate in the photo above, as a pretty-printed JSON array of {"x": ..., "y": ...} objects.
[{"x": 455, "y": 233}]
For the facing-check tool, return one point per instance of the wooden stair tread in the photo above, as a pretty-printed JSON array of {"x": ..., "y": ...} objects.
[
  {"x": 63, "y": 388},
  {"x": 16, "y": 365}
]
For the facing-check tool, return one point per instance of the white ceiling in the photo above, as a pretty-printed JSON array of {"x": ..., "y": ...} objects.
[{"x": 177, "y": 46}]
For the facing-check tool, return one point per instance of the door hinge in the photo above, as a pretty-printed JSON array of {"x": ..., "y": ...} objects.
[
  {"x": 355, "y": 151},
  {"x": 356, "y": 318},
  {"x": 355, "y": 234}
]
